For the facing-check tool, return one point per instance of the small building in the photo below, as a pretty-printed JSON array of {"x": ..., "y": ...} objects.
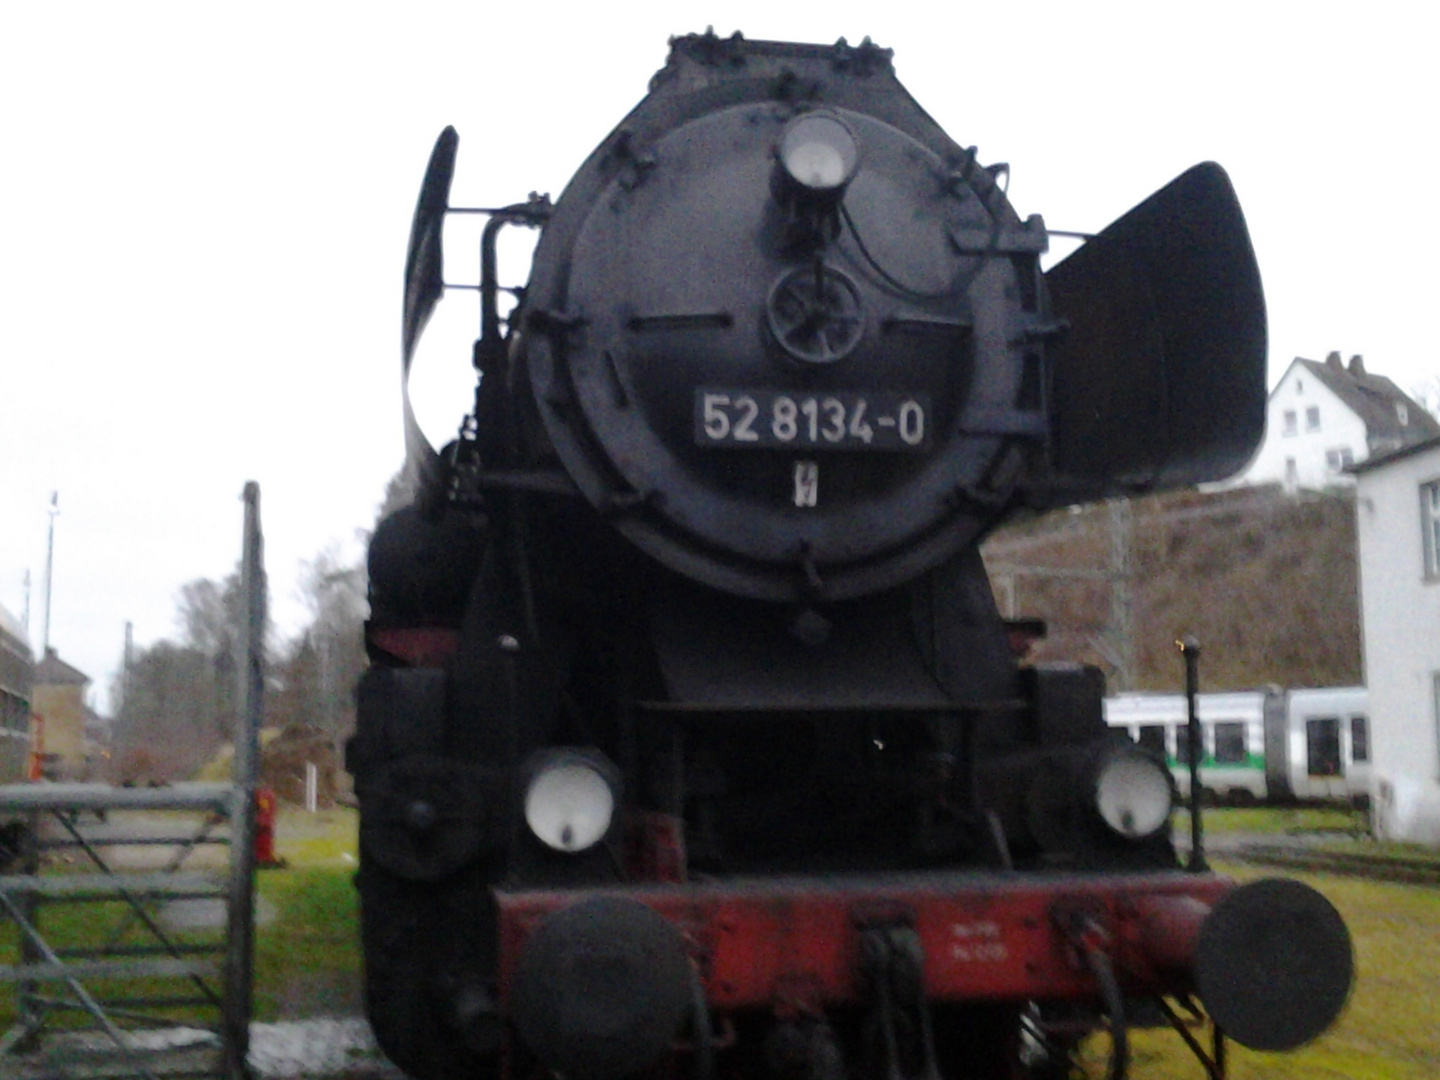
[
  {"x": 58, "y": 703},
  {"x": 1324, "y": 418},
  {"x": 17, "y": 678},
  {"x": 1397, "y": 510}
]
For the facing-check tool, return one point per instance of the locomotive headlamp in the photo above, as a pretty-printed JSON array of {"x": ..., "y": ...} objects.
[
  {"x": 819, "y": 152},
  {"x": 1133, "y": 793},
  {"x": 570, "y": 800}
]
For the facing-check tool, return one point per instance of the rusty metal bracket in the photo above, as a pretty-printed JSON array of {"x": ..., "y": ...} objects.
[{"x": 1215, "y": 1061}]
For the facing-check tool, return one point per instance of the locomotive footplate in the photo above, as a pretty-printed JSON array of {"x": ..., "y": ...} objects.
[
  {"x": 984, "y": 936},
  {"x": 1270, "y": 961}
]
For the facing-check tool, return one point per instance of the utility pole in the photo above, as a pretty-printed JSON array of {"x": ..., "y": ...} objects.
[
  {"x": 25, "y": 618},
  {"x": 126, "y": 659},
  {"x": 49, "y": 570},
  {"x": 1122, "y": 597},
  {"x": 1116, "y": 642}
]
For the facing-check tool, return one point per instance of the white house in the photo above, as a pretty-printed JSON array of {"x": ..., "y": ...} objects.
[
  {"x": 1323, "y": 418},
  {"x": 1397, "y": 510}
]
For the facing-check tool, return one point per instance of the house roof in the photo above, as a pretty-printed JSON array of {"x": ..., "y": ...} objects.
[
  {"x": 1373, "y": 398},
  {"x": 52, "y": 671},
  {"x": 1379, "y": 461}
]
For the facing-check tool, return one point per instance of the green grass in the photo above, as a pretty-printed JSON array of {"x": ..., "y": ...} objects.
[
  {"x": 330, "y": 838},
  {"x": 92, "y": 925},
  {"x": 1265, "y": 819},
  {"x": 307, "y": 959},
  {"x": 1388, "y": 1030},
  {"x": 307, "y": 953}
]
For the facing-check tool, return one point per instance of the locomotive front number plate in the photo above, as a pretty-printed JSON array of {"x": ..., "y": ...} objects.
[{"x": 837, "y": 421}]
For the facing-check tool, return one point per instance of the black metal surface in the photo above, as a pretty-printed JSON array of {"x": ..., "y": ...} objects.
[
  {"x": 1160, "y": 379},
  {"x": 427, "y": 816},
  {"x": 601, "y": 989},
  {"x": 1190, "y": 649},
  {"x": 1274, "y": 964},
  {"x": 699, "y": 252},
  {"x": 425, "y": 278},
  {"x": 420, "y": 568}
]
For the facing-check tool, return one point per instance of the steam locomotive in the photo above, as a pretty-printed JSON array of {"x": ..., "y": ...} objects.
[{"x": 693, "y": 741}]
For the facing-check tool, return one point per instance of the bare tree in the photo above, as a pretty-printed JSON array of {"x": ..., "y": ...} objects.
[
  {"x": 180, "y": 699},
  {"x": 166, "y": 728},
  {"x": 1426, "y": 394},
  {"x": 325, "y": 663}
]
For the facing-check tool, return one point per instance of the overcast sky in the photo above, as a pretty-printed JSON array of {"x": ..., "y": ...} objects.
[{"x": 204, "y": 206}]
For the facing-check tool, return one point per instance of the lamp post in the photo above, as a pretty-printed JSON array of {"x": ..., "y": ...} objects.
[{"x": 49, "y": 570}]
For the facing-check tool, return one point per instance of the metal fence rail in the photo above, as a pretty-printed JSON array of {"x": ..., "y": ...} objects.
[{"x": 113, "y": 975}]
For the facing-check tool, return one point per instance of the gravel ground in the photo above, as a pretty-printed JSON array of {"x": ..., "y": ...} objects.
[{"x": 317, "y": 1049}]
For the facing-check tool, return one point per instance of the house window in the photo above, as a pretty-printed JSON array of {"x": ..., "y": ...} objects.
[
  {"x": 1335, "y": 460},
  {"x": 1430, "y": 526},
  {"x": 1402, "y": 413},
  {"x": 1292, "y": 474},
  {"x": 1359, "y": 739},
  {"x": 1435, "y": 693},
  {"x": 1299, "y": 387},
  {"x": 1229, "y": 743},
  {"x": 1290, "y": 424},
  {"x": 1312, "y": 418}
]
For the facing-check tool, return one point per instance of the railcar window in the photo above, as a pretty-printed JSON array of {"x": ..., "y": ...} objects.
[
  {"x": 1322, "y": 744},
  {"x": 1229, "y": 743},
  {"x": 1359, "y": 739},
  {"x": 1435, "y": 693},
  {"x": 1182, "y": 743},
  {"x": 1152, "y": 737}
]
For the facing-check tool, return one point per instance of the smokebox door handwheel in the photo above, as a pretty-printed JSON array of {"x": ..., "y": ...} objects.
[{"x": 816, "y": 314}]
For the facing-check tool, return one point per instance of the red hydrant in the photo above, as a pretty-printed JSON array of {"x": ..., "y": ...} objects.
[{"x": 265, "y": 830}]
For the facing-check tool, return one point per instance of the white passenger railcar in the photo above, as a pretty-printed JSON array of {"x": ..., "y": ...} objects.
[{"x": 1269, "y": 745}]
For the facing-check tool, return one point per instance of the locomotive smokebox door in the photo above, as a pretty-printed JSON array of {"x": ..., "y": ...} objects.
[{"x": 783, "y": 341}]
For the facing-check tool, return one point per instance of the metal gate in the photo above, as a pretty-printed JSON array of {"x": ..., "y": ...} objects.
[{"x": 132, "y": 958}]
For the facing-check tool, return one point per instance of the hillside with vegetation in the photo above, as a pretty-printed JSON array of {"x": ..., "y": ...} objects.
[{"x": 1267, "y": 582}]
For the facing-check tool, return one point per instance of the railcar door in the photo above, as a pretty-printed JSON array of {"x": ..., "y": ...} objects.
[
  {"x": 1238, "y": 776},
  {"x": 1358, "y": 784},
  {"x": 1324, "y": 764}
]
